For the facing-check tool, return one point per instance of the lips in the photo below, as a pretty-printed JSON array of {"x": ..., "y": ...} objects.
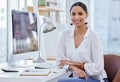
[{"x": 77, "y": 22}]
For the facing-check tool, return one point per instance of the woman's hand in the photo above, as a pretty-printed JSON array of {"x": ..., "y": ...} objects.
[
  {"x": 71, "y": 63},
  {"x": 65, "y": 62},
  {"x": 80, "y": 73}
]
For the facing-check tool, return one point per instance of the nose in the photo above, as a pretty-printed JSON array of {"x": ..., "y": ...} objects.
[{"x": 77, "y": 16}]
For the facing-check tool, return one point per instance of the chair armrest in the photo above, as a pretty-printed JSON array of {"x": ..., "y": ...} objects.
[{"x": 117, "y": 76}]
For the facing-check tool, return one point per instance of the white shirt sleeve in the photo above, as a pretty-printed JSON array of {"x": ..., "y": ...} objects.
[
  {"x": 97, "y": 65},
  {"x": 61, "y": 51}
]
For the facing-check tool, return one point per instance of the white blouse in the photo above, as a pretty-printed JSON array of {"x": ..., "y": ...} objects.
[{"x": 89, "y": 51}]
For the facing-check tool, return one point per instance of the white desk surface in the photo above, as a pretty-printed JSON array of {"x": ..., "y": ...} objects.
[{"x": 15, "y": 77}]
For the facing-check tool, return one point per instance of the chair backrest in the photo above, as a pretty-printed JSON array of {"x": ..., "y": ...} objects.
[{"x": 112, "y": 64}]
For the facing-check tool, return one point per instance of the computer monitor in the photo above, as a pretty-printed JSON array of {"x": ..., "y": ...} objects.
[{"x": 24, "y": 36}]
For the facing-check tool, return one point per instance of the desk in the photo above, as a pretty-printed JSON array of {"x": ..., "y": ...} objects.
[{"x": 15, "y": 77}]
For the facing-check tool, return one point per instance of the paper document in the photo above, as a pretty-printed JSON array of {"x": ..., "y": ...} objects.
[{"x": 35, "y": 72}]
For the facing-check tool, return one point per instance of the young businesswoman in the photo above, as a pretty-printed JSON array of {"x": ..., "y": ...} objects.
[{"x": 79, "y": 49}]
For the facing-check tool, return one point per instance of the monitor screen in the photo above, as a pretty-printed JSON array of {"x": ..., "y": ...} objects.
[{"x": 24, "y": 34}]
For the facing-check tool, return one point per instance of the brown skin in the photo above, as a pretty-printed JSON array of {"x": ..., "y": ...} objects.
[
  {"x": 77, "y": 67},
  {"x": 78, "y": 16},
  {"x": 71, "y": 63},
  {"x": 79, "y": 72}
]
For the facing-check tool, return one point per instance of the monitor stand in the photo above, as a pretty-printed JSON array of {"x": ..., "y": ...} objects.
[
  {"x": 21, "y": 63},
  {"x": 39, "y": 60}
]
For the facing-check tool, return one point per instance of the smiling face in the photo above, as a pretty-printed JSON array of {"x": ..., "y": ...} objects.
[{"x": 78, "y": 16}]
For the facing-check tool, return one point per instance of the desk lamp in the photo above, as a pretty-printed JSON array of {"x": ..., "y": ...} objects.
[{"x": 46, "y": 26}]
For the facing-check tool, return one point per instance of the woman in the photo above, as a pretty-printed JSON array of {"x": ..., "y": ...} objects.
[{"x": 79, "y": 49}]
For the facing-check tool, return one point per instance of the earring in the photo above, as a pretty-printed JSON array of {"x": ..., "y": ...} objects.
[
  {"x": 86, "y": 23},
  {"x": 71, "y": 24}
]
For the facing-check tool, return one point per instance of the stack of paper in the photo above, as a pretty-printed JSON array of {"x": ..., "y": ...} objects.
[{"x": 35, "y": 72}]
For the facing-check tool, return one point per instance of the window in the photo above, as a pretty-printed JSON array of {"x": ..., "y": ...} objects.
[
  {"x": 3, "y": 31},
  {"x": 107, "y": 24}
]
